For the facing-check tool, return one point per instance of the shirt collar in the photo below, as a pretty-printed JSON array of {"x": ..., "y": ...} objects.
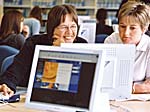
[{"x": 144, "y": 42}]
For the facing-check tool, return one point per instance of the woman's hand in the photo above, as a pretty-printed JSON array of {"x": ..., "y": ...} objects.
[
  {"x": 6, "y": 90},
  {"x": 58, "y": 38},
  {"x": 139, "y": 88}
]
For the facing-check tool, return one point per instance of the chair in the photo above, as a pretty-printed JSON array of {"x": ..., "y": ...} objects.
[
  {"x": 6, "y": 51},
  {"x": 6, "y": 63},
  {"x": 100, "y": 38},
  {"x": 115, "y": 21}
]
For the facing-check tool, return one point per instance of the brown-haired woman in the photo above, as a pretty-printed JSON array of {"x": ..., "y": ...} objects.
[
  {"x": 62, "y": 27},
  {"x": 11, "y": 28}
]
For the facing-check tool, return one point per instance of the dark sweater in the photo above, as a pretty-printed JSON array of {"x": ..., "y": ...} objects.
[
  {"x": 103, "y": 29},
  {"x": 14, "y": 40},
  {"x": 18, "y": 72},
  {"x": 148, "y": 33}
]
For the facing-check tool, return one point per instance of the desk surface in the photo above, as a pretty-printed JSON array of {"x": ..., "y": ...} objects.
[
  {"x": 133, "y": 106},
  {"x": 17, "y": 107}
]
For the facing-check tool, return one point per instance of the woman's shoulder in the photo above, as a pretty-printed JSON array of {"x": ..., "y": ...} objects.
[
  {"x": 14, "y": 40},
  {"x": 80, "y": 40},
  {"x": 146, "y": 39},
  {"x": 14, "y": 37},
  {"x": 42, "y": 39},
  {"x": 31, "y": 20},
  {"x": 19, "y": 35},
  {"x": 113, "y": 38}
]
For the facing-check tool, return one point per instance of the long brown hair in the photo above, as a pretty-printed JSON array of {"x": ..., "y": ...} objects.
[
  {"x": 36, "y": 12},
  {"x": 10, "y": 23}
]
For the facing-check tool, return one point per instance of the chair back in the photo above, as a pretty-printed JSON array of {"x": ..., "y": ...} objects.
[
  {"x": 100, "y": 38},
  {"x": 6, "y": 63},
  {"x": 6, "y": 51}
]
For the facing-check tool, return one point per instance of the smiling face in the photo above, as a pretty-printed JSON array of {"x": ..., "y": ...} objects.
[
  {"x": 130, "y": 30},
  {"x": 66, "y": 31}
]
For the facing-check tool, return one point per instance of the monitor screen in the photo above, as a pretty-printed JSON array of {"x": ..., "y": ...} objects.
[{"x": 60, "y": 74}]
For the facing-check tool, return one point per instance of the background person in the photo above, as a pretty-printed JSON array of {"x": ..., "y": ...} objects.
[
  {"x": 134, "y": 19},
  {"x": 62, "y": 27},
  {"x": 101, "y": 27},
  {"x": 11, "y": 28},
  {"x": 34, "y": 20}
]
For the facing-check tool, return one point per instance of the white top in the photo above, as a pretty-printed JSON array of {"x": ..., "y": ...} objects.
[
  {"x": 142, "y": 56},
  {"x": 34, "y": 25}
]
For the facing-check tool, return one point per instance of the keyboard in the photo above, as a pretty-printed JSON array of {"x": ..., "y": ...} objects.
[{"x": 3, "y": 97}]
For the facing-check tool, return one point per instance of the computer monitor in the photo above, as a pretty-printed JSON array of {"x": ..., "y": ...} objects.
[
  {"x": 119, "y": 67},
  {"x": 87, "y": 30},
  {"x": 81, "y": 18},
  {"x": 66, "y": 80}
]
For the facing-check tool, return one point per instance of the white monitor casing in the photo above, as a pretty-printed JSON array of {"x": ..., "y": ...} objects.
[
  {"x": 98, "y": 101},
  {"x": 118, "y": 70}
]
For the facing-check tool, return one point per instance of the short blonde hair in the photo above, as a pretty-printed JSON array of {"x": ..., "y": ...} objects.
[{"x": 138, "y": 10}]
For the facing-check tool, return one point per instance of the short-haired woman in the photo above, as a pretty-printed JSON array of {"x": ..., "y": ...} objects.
[{"x": 134, "y": 19}]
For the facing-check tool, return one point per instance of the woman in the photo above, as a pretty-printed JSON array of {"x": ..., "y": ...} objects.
[
  {"x": 134, "y": 19},
  {"x": 11, "y": 28},
  {"x": 34, "y": 20},
  {"x": 62, "y": 27}
]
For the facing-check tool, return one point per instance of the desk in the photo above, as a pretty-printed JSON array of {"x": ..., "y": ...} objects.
[
  {"x": 17, "y": 107},
  {"x": 134, "y": 106}
]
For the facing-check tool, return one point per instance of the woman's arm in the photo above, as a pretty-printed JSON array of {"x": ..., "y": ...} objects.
[
  {"x": 144, "y": 87},
  {"x": 18, "y": 72}
]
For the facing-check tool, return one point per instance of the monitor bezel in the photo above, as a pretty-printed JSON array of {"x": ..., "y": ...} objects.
[{"x": 96, "y": 81}]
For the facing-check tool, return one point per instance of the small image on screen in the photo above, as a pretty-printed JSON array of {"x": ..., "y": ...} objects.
[{"x": 59, "y": 75}]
